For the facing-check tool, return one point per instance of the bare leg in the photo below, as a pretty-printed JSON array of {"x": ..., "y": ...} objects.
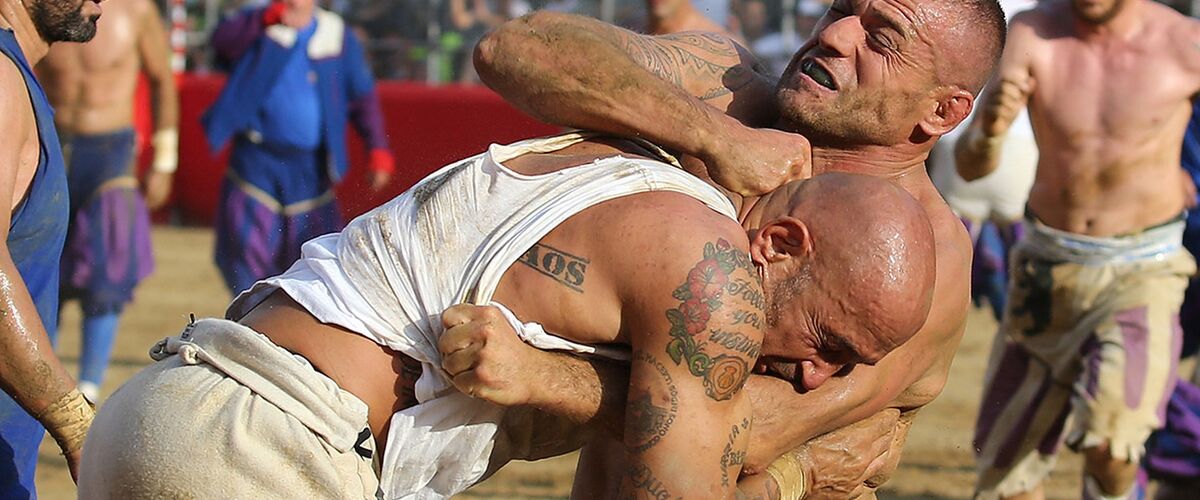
[
  {"x": 1115, "y": 477},
  {"x": 1037, "y": 493}
]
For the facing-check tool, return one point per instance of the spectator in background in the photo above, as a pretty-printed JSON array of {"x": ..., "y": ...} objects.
[
  {"x": 776, "y": 49},
  {"x": 298, "y": 74},
  {"x": 465, "y": 22},
  {"x": 674, "y": 16},
  {"x": 992, "y": 207},
  {"x": 92, "y": 87}
]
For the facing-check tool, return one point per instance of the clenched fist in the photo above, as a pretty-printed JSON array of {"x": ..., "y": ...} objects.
[
  {"x": 484, "y": 357},
  {"x": 839, "y": 463},
  {"x": 752, "y": 161}
]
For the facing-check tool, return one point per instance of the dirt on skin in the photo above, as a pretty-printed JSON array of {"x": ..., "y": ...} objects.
[{"x": 937, "y": 464}]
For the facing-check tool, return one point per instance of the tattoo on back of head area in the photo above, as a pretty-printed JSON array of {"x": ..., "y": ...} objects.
[
  {"x": 567, "y": 269},
  {"x": 723, "y": 274}
]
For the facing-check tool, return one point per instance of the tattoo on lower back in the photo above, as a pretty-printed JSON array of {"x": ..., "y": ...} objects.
[
  {"x": 567, "y": 269},
  {"x": 645, "y": 422},
  {"x": 733, "y": 455},
  {"x": 704, "y": 294},
  {"x": 642, "y": 479}
]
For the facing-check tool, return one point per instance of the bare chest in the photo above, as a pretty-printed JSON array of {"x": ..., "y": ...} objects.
[{"x": 1115, "y": 90}]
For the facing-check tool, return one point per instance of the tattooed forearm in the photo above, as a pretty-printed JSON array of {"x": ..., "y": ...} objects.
[
  {"x": 643, "y": 483},
  {"x": 645, "y": 422},
  {"x": 707, "y": 290},
  {"x": 702, "y": 57},
  {"x": 733, "y": 456},
  {"x": 569, "y": 270}
]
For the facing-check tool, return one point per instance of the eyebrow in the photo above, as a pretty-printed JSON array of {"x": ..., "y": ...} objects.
[
  {"x": 892, "y": 20},
  {"x": 837, "y": 341}
]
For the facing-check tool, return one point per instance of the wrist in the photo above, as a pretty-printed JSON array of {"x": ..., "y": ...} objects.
[
  {"x": 713, "y": 141},
  {"x": 166, "y": 150},
  {"x": 789, "y": 474},
  {"x": 382, "y": 161},
  {"x": 68, "y": 420}
]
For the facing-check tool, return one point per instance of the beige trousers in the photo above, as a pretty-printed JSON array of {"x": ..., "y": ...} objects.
[{"x": 226, "y": 414}]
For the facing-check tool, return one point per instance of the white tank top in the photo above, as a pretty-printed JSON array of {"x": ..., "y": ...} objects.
[{"x": 392, "y": 271}]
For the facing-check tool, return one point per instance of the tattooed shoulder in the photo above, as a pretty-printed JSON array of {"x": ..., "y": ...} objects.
[
  {"x": 645, "y": 422},
  {"x": 713, "y": 330},
  {"x": 565, "y": 268}
]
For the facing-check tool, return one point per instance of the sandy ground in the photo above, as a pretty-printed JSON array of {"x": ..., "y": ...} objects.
[{"x": 937, "y": 462}]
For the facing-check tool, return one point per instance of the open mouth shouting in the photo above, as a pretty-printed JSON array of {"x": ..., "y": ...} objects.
[{"x": 818, "y": 73}]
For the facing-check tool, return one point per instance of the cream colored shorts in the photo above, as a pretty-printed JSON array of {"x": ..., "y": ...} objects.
[{"x": 224, "y": 414}]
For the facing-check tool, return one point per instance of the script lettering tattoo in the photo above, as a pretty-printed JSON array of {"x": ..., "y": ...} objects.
[
  {"x": 569, "y": 270},
  {"x": 703, "y": 293},
  {"x": 645, "y": 422},
  {"x": 733, "y": 456},
  {"x": 750, "y": 293},
  {"x": 643, "y": 481},
  {"x": 747, "y": 318},
  {"x": 736, "y": 342}
]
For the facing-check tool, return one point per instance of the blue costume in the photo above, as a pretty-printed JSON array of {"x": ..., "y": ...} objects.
[
  {"x": 35, "y": 241},
  {"x": 108, "y": 243},
  {"x": 285, "y": 107}
]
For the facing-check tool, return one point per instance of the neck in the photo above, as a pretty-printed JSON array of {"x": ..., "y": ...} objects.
[
  {"x": 754, "y": 211},
  {"x": 32, "y": 45},
  {"x": 894, "y": 162},
  {"x": 1125, "y": 24}
]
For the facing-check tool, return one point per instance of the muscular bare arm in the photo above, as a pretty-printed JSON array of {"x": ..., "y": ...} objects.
[
  {"x": 977, "y": 152},
  {"x": 583, "y": 73},
  {"x": 155, "y": 53},
  {"x": 29, "y": 371}
]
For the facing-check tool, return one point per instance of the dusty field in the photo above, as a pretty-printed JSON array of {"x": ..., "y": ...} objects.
[{"x": 937, "y": 461}]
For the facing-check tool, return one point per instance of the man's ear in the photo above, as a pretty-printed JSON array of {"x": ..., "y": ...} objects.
[
  {"x": 952, "y": 108},
  {"x": 781, "y": 239}
]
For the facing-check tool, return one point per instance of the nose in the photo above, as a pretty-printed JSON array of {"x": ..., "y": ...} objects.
[
  {"x": 841, "y": 36},
  {"x": 814, "y": 373}
]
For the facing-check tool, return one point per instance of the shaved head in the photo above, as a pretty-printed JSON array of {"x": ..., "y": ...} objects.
[
  {"x": 970, "y": 36},
  {"x": 873, "y": 252}
]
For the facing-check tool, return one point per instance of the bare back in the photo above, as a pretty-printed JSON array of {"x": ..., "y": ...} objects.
[
  {"x": 92, "y": 85},
  {"x": 1108, "y": 114}
]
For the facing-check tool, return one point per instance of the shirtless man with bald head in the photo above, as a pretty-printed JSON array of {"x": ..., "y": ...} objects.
[
  {"x": 1091, "y": 334},
  {"x": 92, "y": 88},
  {"x": 873, "y": 89},
  {"x": 565, "y": 233}
]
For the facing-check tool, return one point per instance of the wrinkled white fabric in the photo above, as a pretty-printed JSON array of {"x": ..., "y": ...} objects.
[{"x": 389, "y": 275}]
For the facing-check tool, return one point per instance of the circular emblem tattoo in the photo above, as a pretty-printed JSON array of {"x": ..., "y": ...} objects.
[
  {"x": 645, "y": 422},
  {"x": 725, "y": 377}
]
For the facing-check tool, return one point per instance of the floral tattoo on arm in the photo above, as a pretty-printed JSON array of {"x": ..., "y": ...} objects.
[{"x": 709, "y": 286}]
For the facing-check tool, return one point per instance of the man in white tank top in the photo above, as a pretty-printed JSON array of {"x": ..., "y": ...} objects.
[{"x": 599, "y": 241}]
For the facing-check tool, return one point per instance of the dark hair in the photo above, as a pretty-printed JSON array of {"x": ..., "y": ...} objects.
[{"x": 988, "y": 22}]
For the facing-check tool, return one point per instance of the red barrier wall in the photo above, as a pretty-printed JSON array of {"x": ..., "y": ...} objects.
[{"x": 428, "y": 127}]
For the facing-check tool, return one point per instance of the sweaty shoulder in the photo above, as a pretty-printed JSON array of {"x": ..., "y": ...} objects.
[
  {"x": 14, "y": 100},
  {"x": 651, "y": 233},
  {"x": 1181, "y": 36},
  {"x": 1040, "y": 22}
]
